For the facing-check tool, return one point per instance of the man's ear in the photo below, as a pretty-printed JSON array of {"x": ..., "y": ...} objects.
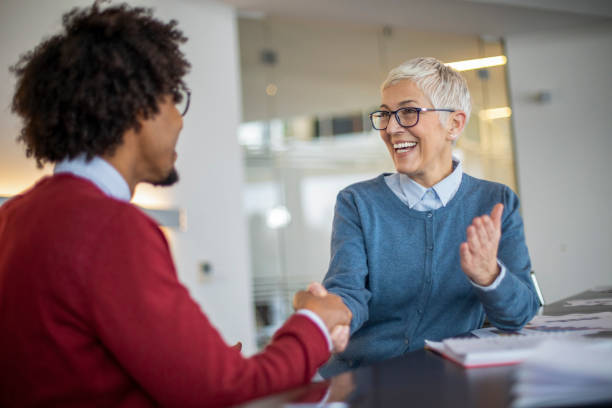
[{"x": 456, "y": 123}]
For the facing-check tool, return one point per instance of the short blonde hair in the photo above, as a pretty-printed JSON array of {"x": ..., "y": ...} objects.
[{"x": 443, "y": 85}]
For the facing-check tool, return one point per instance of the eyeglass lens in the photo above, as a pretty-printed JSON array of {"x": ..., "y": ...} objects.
[
  {"x": 407, "y": 117},
  {"x": 183, "y": 104}
]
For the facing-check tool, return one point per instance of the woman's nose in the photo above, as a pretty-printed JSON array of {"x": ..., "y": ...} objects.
[{"x": 393, "y": 125}]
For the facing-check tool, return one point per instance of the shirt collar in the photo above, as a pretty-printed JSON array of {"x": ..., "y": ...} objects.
[
  {"x": 448, "y": 186},
  {"x": 98, "y": 171},
  {"x": 445, "y": 189}
]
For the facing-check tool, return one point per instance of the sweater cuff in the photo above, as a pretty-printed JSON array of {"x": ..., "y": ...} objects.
[
  {"x": 319, "y": 322},
  {"x": 497, "y": 280}
]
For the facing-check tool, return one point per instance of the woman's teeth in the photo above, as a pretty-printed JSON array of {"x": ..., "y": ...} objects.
[{"x": 403, "y": 147}]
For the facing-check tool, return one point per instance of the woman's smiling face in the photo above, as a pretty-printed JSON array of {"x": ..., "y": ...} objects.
[{"x": 423, "y": 152}]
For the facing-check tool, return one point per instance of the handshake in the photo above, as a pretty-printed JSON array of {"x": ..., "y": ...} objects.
[{"x": 330, "y": 308}]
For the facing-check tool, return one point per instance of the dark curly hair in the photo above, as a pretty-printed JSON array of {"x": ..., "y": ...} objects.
[{"x": 80, "y": 90}]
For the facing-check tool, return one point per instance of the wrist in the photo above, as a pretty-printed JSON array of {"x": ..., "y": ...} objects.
[
  {"x": 316, "y": 319},
  {"x": 489, "y": 278}
]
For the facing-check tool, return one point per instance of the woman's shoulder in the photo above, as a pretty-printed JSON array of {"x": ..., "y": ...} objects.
[
  {"x": 365, "y": 191},
  {"x": 482, "y": 191},
  {"x": 366, "y": 186},
  {"x": 486, "y": 186}
]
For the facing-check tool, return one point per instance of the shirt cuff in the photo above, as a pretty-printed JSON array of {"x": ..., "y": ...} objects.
[
  {"x": 497, "y": 280},
  {"x": 317, "y": 320}
]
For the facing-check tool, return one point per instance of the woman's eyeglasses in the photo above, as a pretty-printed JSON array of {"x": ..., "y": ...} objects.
[{"x": 406, "y": 117}]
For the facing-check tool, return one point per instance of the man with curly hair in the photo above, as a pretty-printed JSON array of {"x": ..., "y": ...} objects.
[{"x": 91, "y": 311}]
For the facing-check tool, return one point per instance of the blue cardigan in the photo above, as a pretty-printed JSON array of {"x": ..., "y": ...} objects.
[{"x": 399, "y": 271}]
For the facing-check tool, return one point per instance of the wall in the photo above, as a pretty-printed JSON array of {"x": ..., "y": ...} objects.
[
  {"x": 323, "y": 77},
  {"x": 316, "y": 76},
  {"x": 562, "y": 147},
  {"x": 563, "y": 153},
  {"x": 325, "y": 67},
  {"x": 209, "y": 156}
]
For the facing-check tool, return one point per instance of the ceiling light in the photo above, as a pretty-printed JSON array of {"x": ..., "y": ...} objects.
[
  {"x": 271, "y": 89},
  {"x": 495, "y": 113},
  {"x": 278, "y": 217},
  {"x": 478, "y": 63}
]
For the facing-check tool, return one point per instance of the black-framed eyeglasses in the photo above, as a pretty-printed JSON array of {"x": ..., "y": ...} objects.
[
  {"x": 406, "y": 117},
  {"x": 182, "y": 101}
]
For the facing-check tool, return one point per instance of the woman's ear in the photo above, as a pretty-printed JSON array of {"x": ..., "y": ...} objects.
[{"x": 456, "y": 123}]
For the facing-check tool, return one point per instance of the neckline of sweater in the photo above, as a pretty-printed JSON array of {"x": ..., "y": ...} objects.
[{"x": 396, "y": 201}]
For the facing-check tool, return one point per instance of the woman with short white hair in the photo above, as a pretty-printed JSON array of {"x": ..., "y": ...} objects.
[{"x": 429, "y": 251}]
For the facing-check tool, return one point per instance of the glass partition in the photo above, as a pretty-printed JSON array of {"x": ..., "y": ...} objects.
[{"x": 297, "y": 162}]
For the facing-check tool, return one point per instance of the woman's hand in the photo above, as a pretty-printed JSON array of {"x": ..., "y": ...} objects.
[{"x": 479, "y": 253}]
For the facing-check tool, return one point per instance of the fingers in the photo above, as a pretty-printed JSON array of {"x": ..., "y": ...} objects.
[
  {"x": 485, "y": 228},
  {"x": 485, "y": 231},
  {"x": 496, "y": 215},
  {"x": 299, "y": 299},
  {"x": 345, "y": 313},
  {"x": 473, "y": 239},
  {"x": 479, "y": 253},
  {"x": 238, "y": 346},
  {"x": 465, "y": 254},
  {"x": 330, "y": 308},
  {"x": 335, "y": 311},
  {"x": 489, "y": 226},
  {"x": 340, "y": 337},
  {"x": 317, "y": 289},
  {"x": 481, "y": 232}
]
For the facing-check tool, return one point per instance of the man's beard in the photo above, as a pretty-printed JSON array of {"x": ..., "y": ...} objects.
[{"x": 170, "y": 179}]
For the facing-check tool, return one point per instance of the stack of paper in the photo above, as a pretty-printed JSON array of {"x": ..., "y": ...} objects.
[
  {"x": 565, "y": 372},
  {"x": 491, "y": 351},
  {"x": 578, "y": 323}
]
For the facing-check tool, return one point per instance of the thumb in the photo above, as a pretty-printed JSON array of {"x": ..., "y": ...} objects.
[
  {"x": 317, "y": 289},
  {"x": 496, "y": 215}
]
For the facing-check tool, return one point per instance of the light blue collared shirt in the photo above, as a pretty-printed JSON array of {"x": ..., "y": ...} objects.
[
  {"x": 421, "y": 198},
  {"x": 98, "y": 171}
]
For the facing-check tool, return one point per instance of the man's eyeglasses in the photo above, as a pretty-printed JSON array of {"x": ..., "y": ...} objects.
[
  {"x": 182, "y": 99},
  {"x": 406, "y": 117}
]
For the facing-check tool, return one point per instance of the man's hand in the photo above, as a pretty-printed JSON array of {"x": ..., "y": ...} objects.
[
  {"x": 479, "y": 253},
  {"x": 339, "y": 334},
  {"x": 330, "y": 309}
]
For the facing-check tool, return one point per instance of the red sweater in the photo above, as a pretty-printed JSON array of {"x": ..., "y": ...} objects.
[{"x": 92, "y": 313}]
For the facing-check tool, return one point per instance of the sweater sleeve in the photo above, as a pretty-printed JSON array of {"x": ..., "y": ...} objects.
[
  {"x": 348, "y": 268},
  {"x": 153, "y": 329},
  {"x": 514, "y": 302}
]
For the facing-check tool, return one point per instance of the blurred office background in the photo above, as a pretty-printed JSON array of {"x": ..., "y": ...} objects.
[{"x": 278, "y": 125}]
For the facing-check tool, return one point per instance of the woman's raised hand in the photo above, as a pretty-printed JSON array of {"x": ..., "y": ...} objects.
[{"x": 479, "y": 252}]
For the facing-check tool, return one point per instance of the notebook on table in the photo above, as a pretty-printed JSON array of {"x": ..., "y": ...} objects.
[{"x": 490, "y": 351}]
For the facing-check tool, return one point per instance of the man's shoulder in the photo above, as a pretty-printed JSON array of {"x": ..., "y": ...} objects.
[{"x": 72, "y": 200}]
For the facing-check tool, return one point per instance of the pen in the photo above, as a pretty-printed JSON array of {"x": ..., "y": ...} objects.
[{"x": 537, "y": 287}]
